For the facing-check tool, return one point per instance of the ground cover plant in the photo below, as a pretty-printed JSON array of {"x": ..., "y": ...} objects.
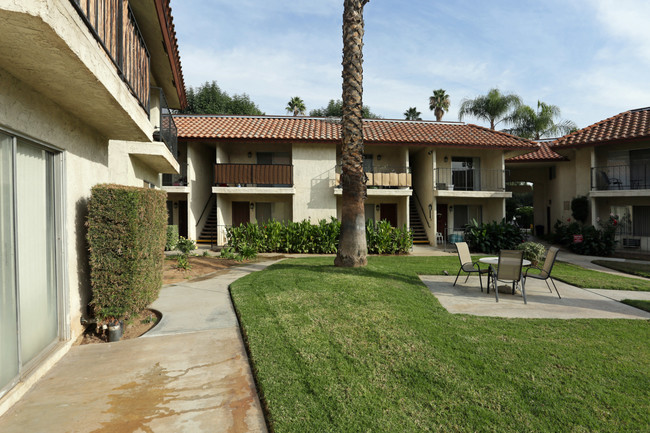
[
  {"x": 640, "y": 269},
  {"x": 581, "y": 277},
  {"x": 370, "y": 349},
  {"x": 638, "y": 303}
]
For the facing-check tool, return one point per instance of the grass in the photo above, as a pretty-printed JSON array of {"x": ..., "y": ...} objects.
[
  {"x": 581, "y": 277},
  {"x": 639, "y": 269},
  {"x": 638, "y": 303},
  {"x": 371, "y": 350}
]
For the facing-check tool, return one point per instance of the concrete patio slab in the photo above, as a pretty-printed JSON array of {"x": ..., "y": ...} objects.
[{"x": 576, "y": 303}]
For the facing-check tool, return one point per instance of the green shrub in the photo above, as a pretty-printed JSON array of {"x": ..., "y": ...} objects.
[
  {"x": 305, "y": 237},
  {"x": 524, "y": 216},
  {"x": 185, "y": 246},
  {"x": 580, "y": 208},
  {"x": 172, "y": 238},
  {"x": 533, "y": 251},
  {"x": 228, "y": 253},
  {"x": 126, "y": 238},
  {"x": 182, "y": 262},
  {"x": 595, "y": 241},
  {"x": 492, "y": 237}
]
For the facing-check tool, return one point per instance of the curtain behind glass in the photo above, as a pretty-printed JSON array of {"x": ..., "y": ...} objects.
[
  {"x": 8, "y": 321},
  {"x": 36, "y": 236}
]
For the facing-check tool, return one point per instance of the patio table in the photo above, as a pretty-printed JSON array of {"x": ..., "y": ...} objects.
[{"x": 495, "y": 261}]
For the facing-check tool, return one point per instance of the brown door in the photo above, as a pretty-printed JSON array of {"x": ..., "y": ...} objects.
[
  {"x": 388, "y": 212},
  {"x": 441, "y": 219},
  {"x": 240, "y": 213}
]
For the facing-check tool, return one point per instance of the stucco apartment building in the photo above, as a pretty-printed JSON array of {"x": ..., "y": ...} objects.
[
  {"x": 85, "y": 92},
  {"x": 608, "y": 162},
  {"x": 237, "y": 169}
]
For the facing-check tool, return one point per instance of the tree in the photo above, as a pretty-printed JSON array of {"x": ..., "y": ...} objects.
[
  {"x": 335, "y": 109},
  {"x": 412, "y": 114},
  {"x": 534, "y": 125},
  {"x": 495, "y": 107},
  {"x": 210, "y": 99},
  {"x": 296, "y": 106},
  {"x": 439, "y": 103},
  {"x": 352, "y": 249}
]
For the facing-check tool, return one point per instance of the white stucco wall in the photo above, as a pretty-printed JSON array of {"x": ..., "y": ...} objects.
[
  {"x": 200, "y": 175},
  {"x": 313, "y": 169},
  {"x": 422, "y": 167}
]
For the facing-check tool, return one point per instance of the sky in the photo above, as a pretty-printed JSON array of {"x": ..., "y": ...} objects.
[{"x": 591, "y": 58}]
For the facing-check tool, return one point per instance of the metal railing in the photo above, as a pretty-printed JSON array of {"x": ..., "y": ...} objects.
[
  {"x": 419, "y": 206},
  {"x": 384, "y": 177},
  {"x": 113, "y": 25},
  {"x": 470, "y": 179},
  {"x": 635, "y": 175},
  {"x": 166, "y": 131},
  {"x": 272, "y": 175},
  {"x": 176, "y": 179}
]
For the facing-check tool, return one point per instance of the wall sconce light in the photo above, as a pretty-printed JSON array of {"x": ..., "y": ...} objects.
[
  {"x": 451, "y": 208},
  {"x": 446, "y": 159},
  {"x": 378, "y": 157},
  {"x": 175, "y": 205},
  {"x": 378, "y": 208},
  {"x": 252, "y": 205},
  {"x": 430, "y": 152},
  {"x": 430, "y": 209},
  {"x": 250, "y": 154}
]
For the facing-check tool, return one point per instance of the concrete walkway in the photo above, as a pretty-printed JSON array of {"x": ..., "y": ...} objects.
[{"x": 189, "y": 374}]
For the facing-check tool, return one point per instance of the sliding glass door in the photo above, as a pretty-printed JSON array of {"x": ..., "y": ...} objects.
[{"x": 28, "y": 224}]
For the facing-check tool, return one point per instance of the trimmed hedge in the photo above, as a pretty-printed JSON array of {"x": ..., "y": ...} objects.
[
  {"x": 492, "y": 237},
  {"x": 305, "y": 237},
  {"x": 126, "y": 237},
  {"x": 595, "y": 241},
  {"x": 172, "y": 238}
]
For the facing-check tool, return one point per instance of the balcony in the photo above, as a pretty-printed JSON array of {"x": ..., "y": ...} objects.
[
  {"x": 253, "y": 178},
  {"x": 113, "y": 25},
  {"x": 383, "y": 181},
  {"x": 472, "y": 182},
  {"x": 165, "y": 128},
  {"x": 621, "y": 177}
]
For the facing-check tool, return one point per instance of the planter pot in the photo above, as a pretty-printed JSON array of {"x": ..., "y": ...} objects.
[
  {"x": 115, "y": 331},
  {"x": 450, "y": 187}
]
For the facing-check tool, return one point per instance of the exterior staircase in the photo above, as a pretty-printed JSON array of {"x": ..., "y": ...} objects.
[
  {"x": 419, "y": 234},
  {"x": 209, "y": 231}
]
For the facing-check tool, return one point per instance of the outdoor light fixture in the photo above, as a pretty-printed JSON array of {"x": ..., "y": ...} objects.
[
  {"x": 451, "y": 208},
  {"x": 378, "y": 157},
  {"x": 377, "y": 207},
  {"x": 252, "y": 206},
  {"x": 250, "y": 154},
  {"x": 446, "y": 159},
  {"x": 430, "y": 152},
  {"x": 175, "y": 205}
]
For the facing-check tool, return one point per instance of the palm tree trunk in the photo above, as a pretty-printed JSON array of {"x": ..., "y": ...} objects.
[{"x": 352, "y": 249}]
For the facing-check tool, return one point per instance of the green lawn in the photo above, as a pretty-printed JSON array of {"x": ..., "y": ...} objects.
[
  {"x": 638, "y": 303},
  {"x": 581, "y": 277},
  {"x": 371, "y": 350},
  {"x": 640, "y": 269}
]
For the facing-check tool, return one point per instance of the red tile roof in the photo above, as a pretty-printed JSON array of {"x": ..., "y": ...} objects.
[
  {"x": 164, "y": 11},
  {"x": 629, "y": 125},
  {"x": 543, "y": 154},
  {"x": 376, "y": 131}
]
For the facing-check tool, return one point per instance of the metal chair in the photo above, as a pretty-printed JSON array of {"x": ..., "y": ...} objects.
[
  {"x": 509, "y": 270},
  {"x": 467, "y": 265},
  {"x": 545, "y": 271}
]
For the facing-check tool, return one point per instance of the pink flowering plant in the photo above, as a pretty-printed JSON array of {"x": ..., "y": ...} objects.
[{"x": 596, "y": 241}]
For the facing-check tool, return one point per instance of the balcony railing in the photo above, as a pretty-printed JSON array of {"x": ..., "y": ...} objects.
[
  {"x": 166, "y": 131},
  {"x": 470, "y": 179},
  {"x": 635, "y": 175},
  {"x": 273, "y": 175},
  {"x": 384, "y": 177},
  {"x": 113, "y": 24}
]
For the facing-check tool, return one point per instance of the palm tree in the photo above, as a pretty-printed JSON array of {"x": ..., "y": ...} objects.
[
  {"x": 352, "y": 249},
  {"x": 439, "y": 103},
  {"x": 296, "y": 106},
  {"x": 495, "y": 107},
  {"x": 534, "y": 125},
  {"x": 412, "y": 114}
]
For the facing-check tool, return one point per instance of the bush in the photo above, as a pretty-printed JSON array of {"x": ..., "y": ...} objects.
[
  {"x": 304, "y": 237},
  {"x": 126, "y": 237},
  {"x": 185, "y": 246},
  {"x": 524, "y": 216},
  {"x": 182, "y": 262},
  {"x": 580, "y": 208},
  {"x": 533, "y": 251},
  {"x": 172, "y": 238},
  {"x": 492, "y": 237},
  {"x": 595, "y": 241}
]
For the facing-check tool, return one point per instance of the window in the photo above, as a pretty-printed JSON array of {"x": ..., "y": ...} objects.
[
  {"x": 641, "y": 220},
  {"x": 262, "y": 212},
  {"x": 465, "y": 173},
  {"x": 464, "y": 214},
  {"x": 368, "y": 163},
  {"x": 551, "y": 173}
]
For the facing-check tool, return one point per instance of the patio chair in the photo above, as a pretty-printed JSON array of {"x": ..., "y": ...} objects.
[
  {"x": 467, "y": 265},
  {"x": 610, "y": 181},
  {"x": 509, "y": 270},
  {"x": 545, "y": 271}
]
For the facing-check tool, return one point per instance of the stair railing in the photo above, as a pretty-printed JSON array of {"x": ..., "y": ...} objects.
[
  {"x": 207, "y": 203},
  {"x": 417, "y": 201}
]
